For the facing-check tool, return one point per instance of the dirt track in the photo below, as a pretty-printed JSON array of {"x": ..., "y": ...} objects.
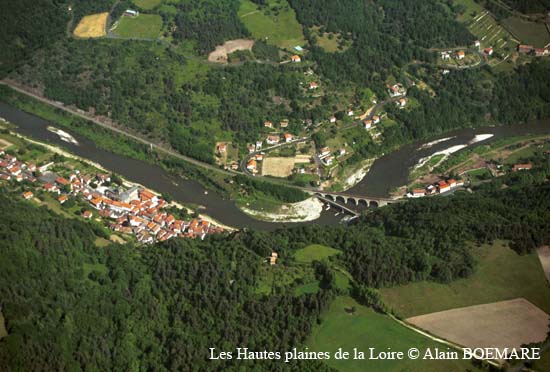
[
  {"x": 219, "y": 55},
  {"x": 500, "y": 324}
]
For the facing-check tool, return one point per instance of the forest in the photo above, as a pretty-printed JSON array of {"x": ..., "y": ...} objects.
[{"x": 71, "y": 306}]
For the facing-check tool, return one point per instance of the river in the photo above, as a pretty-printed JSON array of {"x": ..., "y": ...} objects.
[
  {"x": 387, "y": 172},
  {"x": 392, "y": 170},
  {"x": 185, "y": 191}
]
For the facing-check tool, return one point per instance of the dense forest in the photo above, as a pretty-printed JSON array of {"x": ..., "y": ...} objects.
[
  {"x": 71, "y": 306},
  {"x": 28, "y": 25}
]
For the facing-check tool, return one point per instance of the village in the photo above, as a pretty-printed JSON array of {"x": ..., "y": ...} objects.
[{"x": 127, "y": 209}]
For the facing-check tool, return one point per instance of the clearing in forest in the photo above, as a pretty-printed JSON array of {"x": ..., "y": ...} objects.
[
  {"x": 506, "y": 324},
  {"x": 275, "y": 23},
  {"x": 219, "y": 55},
  {"x": 144, "y": 26},
  {"x": 92, "y": 26},
  {"x": 314, "y": 252}
]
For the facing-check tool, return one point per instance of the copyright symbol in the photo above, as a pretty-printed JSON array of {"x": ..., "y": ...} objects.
[{"x": 414, "y": 353}]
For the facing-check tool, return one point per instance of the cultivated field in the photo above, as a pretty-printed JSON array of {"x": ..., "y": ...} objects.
[
  {"x": 147, "y": 4},
  {"x": 501, "y": 274},
  {"x": 277, "y": 167},
  {"x": 314, "y": 252},
  {"x": 144, "y": 26},
  {"x": 364, "y": 329},
  {"x": 491, "y": 34},
  {"x": 282, "y": 30},
  {"x": 544, "y": 257},
  {"x": 528, "y": 32},
  {"x": 506, "y": 324},
  {"x": 220, "y": 53},
  {"x": 92, "y": 26}
]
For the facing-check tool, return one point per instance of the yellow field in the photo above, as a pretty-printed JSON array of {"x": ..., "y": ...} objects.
[
  {"x": 277, "y": 167},
  {"x": 92, "y": 26}
]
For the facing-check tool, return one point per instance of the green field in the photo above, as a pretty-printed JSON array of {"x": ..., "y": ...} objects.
[
  {"x": 365, "y": 329},
  {"x": 500, "y": 275},
  {"x": 472, "y": 9},
  {"x": 528, "y": 32},
  {"x": 278, "y": 28},
  {"x": 144, "y": 26},
  {"x": 543, "y": 365},
  {"x": 147, "y": 4},
  {"x": 314, "y": 252}
]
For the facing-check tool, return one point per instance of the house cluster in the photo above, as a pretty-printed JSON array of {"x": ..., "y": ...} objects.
[
  {"x": 531, "y": 50},
  {"x": 136, "y": 210},
  {"x": 440, "y": 187},
  {"x": 447, "y": 55},
  {"x": 12, "y": 169},
  {"x": 368, "y": 123},
  {"x": 520, "y": 167},
  {"x": 325, "y": 155},
  {"x": 397, "y": 90}
]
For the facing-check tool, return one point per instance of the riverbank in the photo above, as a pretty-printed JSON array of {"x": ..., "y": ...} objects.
[
  {"x": 126, "y": 183},
  {"x": 304, "y": 211}
]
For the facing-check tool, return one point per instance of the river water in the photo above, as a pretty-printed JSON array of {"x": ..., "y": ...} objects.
[
  {"x": 388, "y": 172},
  {"x": 149, "y": 175},
  {"x": 392, "y": 170}
]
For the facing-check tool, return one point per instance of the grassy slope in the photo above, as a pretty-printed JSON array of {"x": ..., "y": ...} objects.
[
  {"x": 528, "y": 32},
  {"x": 283, "y": 30},
  {"x": 147, "y": 4},
  {"x": 366, "y": 329},
  {"x": 314, "y": 252},
  {"x": 500, "y": 275},
  {"x": 146, "y": 26}
]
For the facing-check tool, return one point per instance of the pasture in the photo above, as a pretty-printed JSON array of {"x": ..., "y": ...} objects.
[
  {"x": 278, "y": 27},
  {"x": 528, "y": 32},
  {"x": 471, "y": 10},
  {"x": 147, "y": 4},
  {"x": 92, "y": 26},
  {"x": 314, "y": 252},
  {"x": 506, "y": 324},
  {"x": 363, "y": 329},
  {"x": 500, "y": 274},
  {"x": 144, "y": 26},
  {"x": 277, "y": 167}
]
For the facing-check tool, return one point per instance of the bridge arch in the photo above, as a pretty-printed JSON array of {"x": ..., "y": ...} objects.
[
  {"x": 373, "y": 204},
  {"x": 341, "y": 199}
]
